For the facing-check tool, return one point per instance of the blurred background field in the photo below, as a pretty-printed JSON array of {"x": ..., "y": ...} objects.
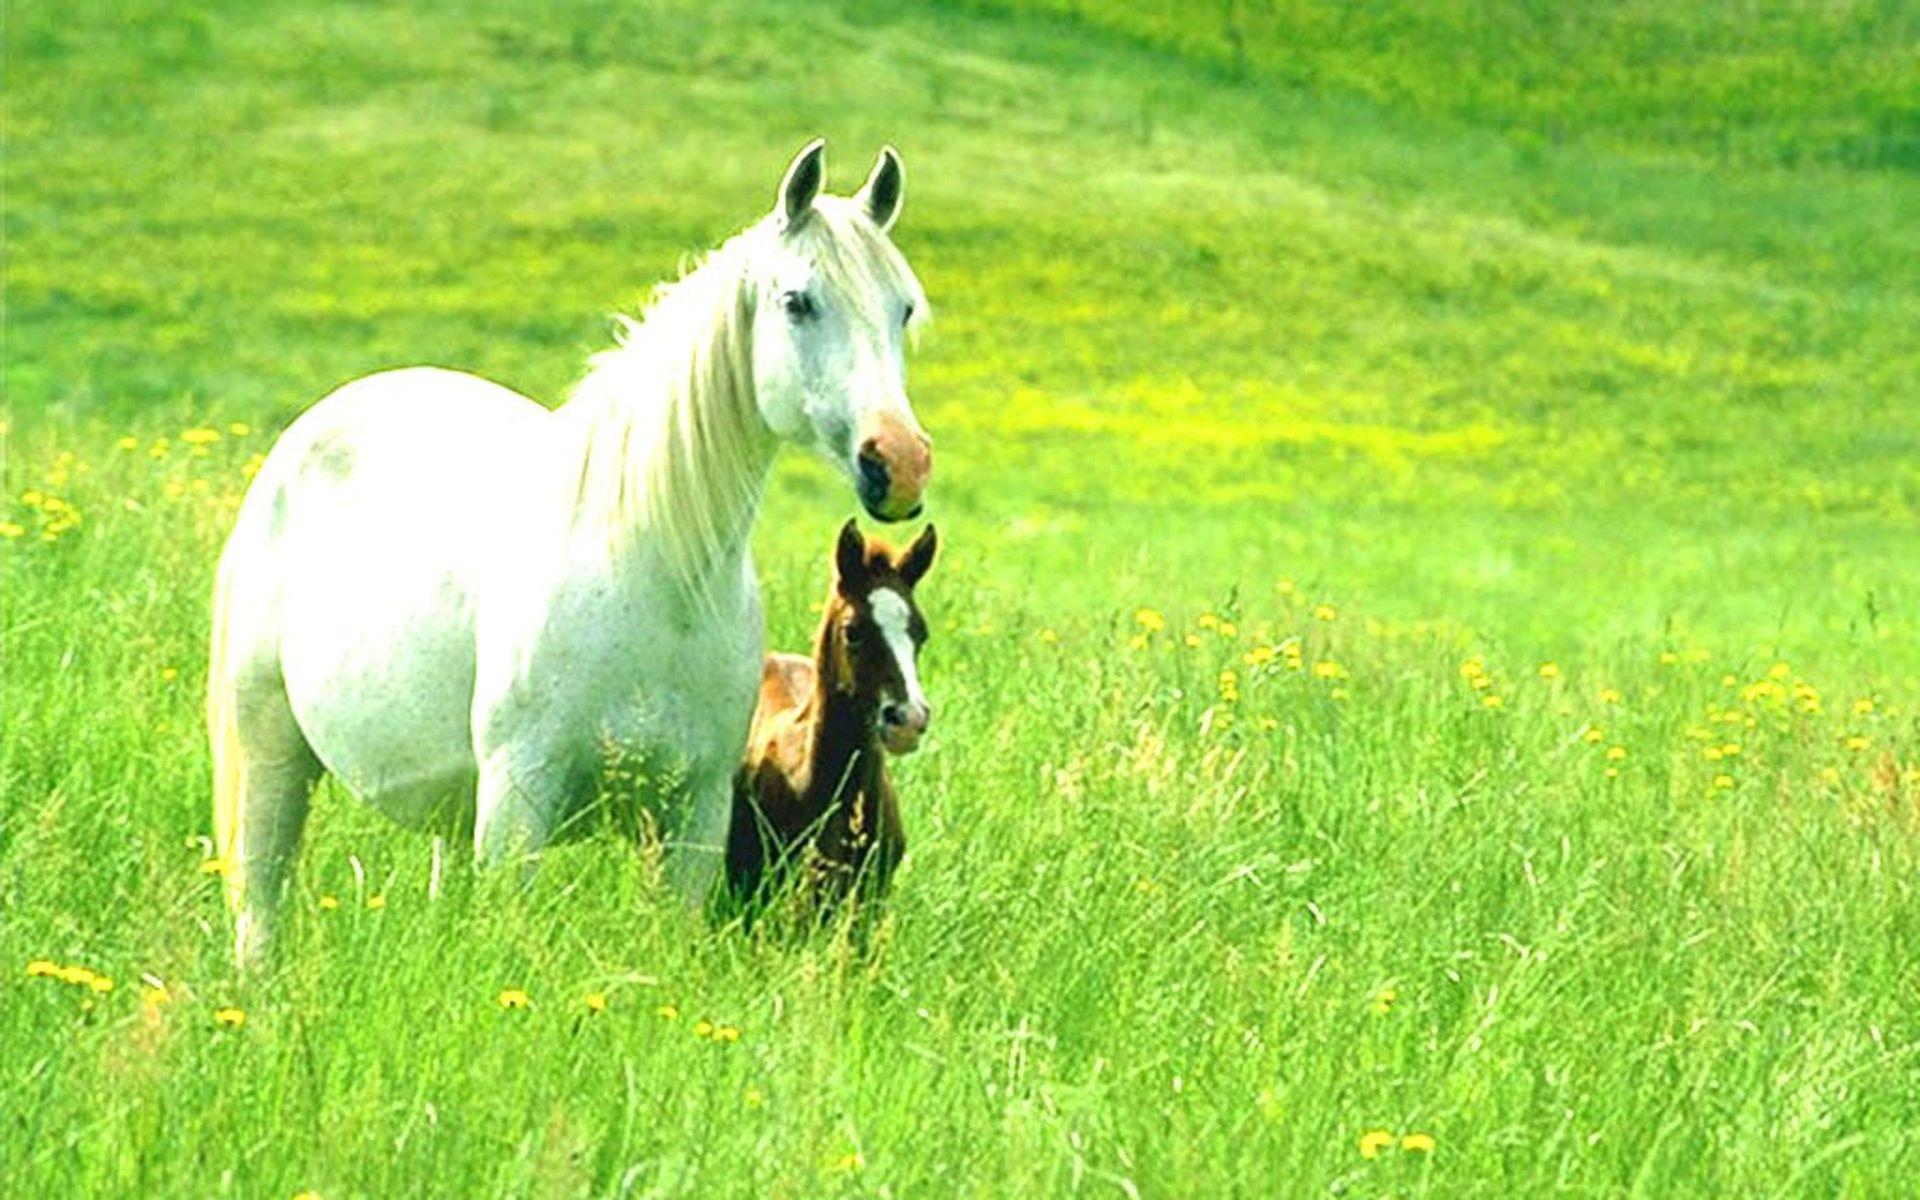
[{"x": 1356, "y": 423}]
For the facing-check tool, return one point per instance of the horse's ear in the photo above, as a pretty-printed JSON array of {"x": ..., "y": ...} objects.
[
  {"x": 850, "y": 557},
  {"x": 918, "y": 559},
  {"x": 880, "y": 196},
  {"x": 801, "y": 184}
]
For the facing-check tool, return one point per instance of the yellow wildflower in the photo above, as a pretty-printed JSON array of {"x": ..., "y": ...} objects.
[
  {"x": 726, "y": 1033},
  {"x": 77, "y": 975},
  {"x": 1668, "y": 658},
  {"x": 514, "y": 998},
  {"x": 667, "y": 1012},
  {"x": 42, "y": 968},
  {"x": 1609, "y": 696},
  {"x": 101, "y": 984},
  {"x": 1862, "y": 707},
  {"x": 1373, "y": 1141},
  {"x": 1417, "y": 1143},
  {"x": 1723, "y": 782},
  {"x": 128, "y": 443},
  {"x": 1049, "y": 636},
  {"x": 1593, "y": 735},
  {"x": 200, "y": 437},
  {"x": 1857, "y": 742},
  {"x": 232, "y": 1018},
  {"x": 702, "y": 1028},
  {"x": 596, "y": 1003},
  {"x": 753, "y": 1097},
  {"x": 239, "y": 429},
  {"x": 329, "y": 903},
  {"x": 1328, "y": 669},
  {"x": 1779, "y": 670},
  {"x": 1284, "y": 587},
  {"x": 1137, "y": 642},
  {"x": 851, "y": 1161},
  {"x": 155, "y": 994},
  {"x": 1492, "y": 702},
  {"x": 377, "y": 901},
  {"x": 1192, "y": 640},
  {"x": 1549, "y": 670},
  {"x": 1150, "y": 620},
  {"x": 1325, "y": 612},
  {"x": 1383, "y": 1001},
  {"x": 8, "y": 529},
  {"x": 1208, "y": 621},
  {"x": 1711, "y": 754},
  {"x": 213, "y": 866},
  {"x": 1616, "y": 753},
  {"x": 1259, "y": 656},
  {"x": 1228, "y": 630},
  {"x": 309, "y": 1194}
]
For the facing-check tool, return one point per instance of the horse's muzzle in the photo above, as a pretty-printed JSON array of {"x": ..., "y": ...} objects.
[
  {"x": 891, "y": 470},
  {"x": 901, "y": 727}
]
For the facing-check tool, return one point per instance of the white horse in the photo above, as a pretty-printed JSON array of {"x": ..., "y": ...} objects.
[{"x": 456, "y": 600}]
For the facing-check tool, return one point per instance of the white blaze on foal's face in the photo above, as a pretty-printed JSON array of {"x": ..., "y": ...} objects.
[{"x": 903, "y": 714}]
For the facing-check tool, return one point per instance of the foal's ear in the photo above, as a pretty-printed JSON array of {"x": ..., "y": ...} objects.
[
  {"x": 880, "y": 196},
  {"x": 850, "y": 557},
  {"x": 918, "y": 559},
  {"x": 801, "y": 184}
]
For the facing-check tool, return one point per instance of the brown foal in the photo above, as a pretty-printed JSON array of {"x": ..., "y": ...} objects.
[{"x": 812, "y": 795}]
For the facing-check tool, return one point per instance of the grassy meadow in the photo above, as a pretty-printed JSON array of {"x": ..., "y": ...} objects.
[{"x": 1426, "y": 654}]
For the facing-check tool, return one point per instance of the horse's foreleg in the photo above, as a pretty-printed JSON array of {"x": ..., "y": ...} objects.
[
  {"x": 513, "y": 814},
  {"x": 696, "y": 851}
]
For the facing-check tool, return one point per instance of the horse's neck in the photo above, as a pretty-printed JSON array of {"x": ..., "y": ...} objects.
[{"x": 672, "y": 453}]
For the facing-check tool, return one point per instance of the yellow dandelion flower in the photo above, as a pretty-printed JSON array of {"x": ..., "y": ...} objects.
[
  {"x": 1284, "y": 587},
  {"x": 1192, "y": 640},
  {"x": 1150, "y": 620},
  {"x": 1269, "y": 724},
  {"x": 850, "y": 1162},
  {"x": 726, "y": 1033},
  {"x": 1729, "y": 680},
  {"x": 213, "y": 866},
  {"x": 1373, "y": 1141},
  {"x": 377, "y": 901},
  {"x": 1327, "y": 669},
  {"x": 753, "y": 1097},
  {"x": 1471, "y": 668},
  {"x": 1208, "y": 621},
  {"x": 155, "y": 994},
  {"x": 128, "y": 443},
  {"x": 1857, "y": 742},
  {"x": 1228, "y": 630},
  {"x": 77, "y": 975},
  {"x": 232, "y": 1018},
  {"x": 1325, "y": 612},
  {"x": 1862, "y": 707},
  {"x": 514, "y": 998},
  {"x": 101, "y": 984},
  {"x": 32, "y": 498},
  {"x": 1383, "y": 1001},
  {"x": 309, "y": 1194},
  {"x": 1492, "y": 702},
  {"x": 200, "y": 437},
  {"x": 1723, "y": 782},
  {"x": 1137, "y": 642},
  {"x": 1830, "y": 774},
  {"x": 1711, "y": 754},
  {"x": 1417, "y": 1143},
  {"x": 239, "y": 429},
  {"x": 1668, "y": 658},
  {"x": 1049, "y": 636},
  {"x": 42, "y": 968},
  {"x": 1616, "y": 753},
  {"x": 1779, "y": 670},
  {"x": 1609, "y": 696},
  {"x": 1593, "y": 736},
  {"x": 596, "y": 1003},
  {"x": 1613, "y": 772},
  {"x": 9, "y": 529},
  {"x": 329, "y": 903},
  {"x": 1480, "y": 683},
  {"x": 667, "y": 1012},
  {"x": 1549, "y": 670},
  {"x": 1259, "y": 656},
  {"x": 702, "y": 1028},
  {"x": 1338, "y": 693},
  {"x": 1730, "y": 750}
]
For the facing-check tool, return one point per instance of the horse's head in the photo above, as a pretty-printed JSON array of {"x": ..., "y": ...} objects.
[
  {"x": 833, "y": 301},
  {"x": 872, "y": 631}
]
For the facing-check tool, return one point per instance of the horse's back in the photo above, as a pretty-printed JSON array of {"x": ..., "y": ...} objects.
[{"x": 357, "y": 551}]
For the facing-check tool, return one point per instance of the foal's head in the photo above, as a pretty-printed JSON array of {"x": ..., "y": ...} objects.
[{"x": 871, "y": 634}]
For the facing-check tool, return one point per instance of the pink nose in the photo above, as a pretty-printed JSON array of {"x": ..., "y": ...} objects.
[{"x": 895, "y": 462}]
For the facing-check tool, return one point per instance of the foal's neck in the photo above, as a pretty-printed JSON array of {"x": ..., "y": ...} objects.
[{"x": 843, "y": 742}]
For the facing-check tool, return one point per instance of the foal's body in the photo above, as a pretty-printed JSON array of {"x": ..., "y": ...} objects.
[{"x": 812, "y": 792}]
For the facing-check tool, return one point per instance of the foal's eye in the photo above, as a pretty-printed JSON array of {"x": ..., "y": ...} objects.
[
  {"x": 856, "y": 635},
  {"x": 797, "y": 304}
]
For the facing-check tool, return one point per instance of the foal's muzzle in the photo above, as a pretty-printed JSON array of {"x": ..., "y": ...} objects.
[{"x": 901, "y": 726}]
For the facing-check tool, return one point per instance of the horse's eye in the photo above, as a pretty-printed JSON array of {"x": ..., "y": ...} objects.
[
  {"x": 856, "y": 635},
  {"x": 797, "y": 304},
  {"x": 907, "y": 316}
]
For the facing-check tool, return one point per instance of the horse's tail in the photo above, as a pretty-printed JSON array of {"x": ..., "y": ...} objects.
[{"x": 223, "y": 738}]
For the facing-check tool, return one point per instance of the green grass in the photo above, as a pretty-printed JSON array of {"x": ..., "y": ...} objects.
[{"x": 1499, "y": 375}]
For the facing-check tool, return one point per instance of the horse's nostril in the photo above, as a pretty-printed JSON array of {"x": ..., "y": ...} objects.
[{"x": 873, "y": 476}]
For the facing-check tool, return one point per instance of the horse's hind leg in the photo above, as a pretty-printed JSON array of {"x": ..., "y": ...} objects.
[{"x": 264, "y": 774}]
